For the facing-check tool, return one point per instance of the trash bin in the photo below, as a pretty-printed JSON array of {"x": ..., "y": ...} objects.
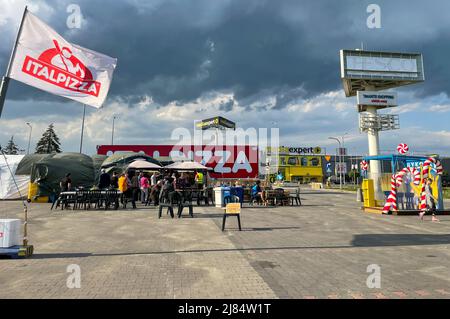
[
  {"x": 239, "y": 192},
  {"x": 219, "y": 194}
]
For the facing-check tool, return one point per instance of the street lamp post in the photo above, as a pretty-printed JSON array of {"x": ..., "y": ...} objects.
[
  {"x": 343, "y": 156},
  {"x": 112, "y": 132},
  {"x": 29, "y": 137},
  {"x": 340, "y": 163}
]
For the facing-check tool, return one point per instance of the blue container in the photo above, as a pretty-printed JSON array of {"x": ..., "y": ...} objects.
[{"x": 239, "y": 192}]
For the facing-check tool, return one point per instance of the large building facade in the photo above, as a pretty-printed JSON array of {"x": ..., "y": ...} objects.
[{"x": 295, "y": 164}]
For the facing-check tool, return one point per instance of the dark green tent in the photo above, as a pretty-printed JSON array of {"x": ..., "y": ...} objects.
[
  {"x": 97, "y": 161},
  {"x": 50, "y": 170},
  {"x": 119, "y": 161},
  {"x": 26, "y": 164}
]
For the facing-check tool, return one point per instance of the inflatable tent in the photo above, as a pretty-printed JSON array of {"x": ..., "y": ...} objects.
[
  {"x": 8, "y": 189},
  {"x": 119, "y": 161},
  {"x": 50, "y": 170}
]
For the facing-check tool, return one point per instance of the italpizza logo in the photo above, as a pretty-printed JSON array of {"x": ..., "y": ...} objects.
[{"x": 60, "y": 67}]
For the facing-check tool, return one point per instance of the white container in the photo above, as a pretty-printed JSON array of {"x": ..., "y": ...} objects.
[
  {"x": 10, "y": 232},
  {"x": 219, "y": 195}
]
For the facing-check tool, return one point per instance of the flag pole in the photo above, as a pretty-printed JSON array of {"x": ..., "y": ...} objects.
[
  {"x": 82, "y": 127},
  {"x": 5, "y": 79}
]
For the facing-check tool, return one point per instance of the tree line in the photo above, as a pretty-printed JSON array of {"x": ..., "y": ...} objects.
[{"x": 49, "y": 143}]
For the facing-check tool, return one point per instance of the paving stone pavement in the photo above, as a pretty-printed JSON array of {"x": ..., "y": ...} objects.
[{"x": 319, "y": 250}]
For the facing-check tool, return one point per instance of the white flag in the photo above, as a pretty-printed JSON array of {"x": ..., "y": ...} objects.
[{"x": 45, "y": 60}]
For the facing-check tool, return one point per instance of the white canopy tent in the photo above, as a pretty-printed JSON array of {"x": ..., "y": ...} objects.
[
  {"x": 187, "y": 166},
  {"x": 8, "y": 189},
  {"x": 141, "y": 164}
]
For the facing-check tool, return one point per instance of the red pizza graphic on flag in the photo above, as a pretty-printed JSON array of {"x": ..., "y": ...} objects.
[{"x": 60, "y": 67}]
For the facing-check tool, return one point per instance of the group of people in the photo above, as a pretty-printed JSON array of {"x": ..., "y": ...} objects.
[{"x": 142, "y": 186}]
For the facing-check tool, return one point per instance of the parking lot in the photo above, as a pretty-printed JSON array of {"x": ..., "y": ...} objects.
[{"x": 320, "y": 250}]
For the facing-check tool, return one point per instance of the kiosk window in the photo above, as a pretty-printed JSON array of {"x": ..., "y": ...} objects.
[
  {"x": 314, "y": 161},
  {"x": 292, "y": 161},
  {"x": 304, "y": 161}
]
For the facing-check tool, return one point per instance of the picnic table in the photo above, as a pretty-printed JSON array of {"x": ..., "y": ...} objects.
[
  {"x": 282, "y": 197},
  {"x": 87, "y": 199}
]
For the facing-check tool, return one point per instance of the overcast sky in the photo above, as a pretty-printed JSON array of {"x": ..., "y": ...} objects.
[{"x": 259, "y": 63}]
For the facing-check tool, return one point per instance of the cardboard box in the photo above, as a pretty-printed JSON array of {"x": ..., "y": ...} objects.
[{"x": 10, "y": 232}]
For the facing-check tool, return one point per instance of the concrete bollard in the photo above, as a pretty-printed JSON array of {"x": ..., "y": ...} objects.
[{"x": 359, "y": 196}]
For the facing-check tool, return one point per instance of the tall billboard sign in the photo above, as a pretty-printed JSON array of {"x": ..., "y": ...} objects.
[
  {"x": 379, "y": 70},
  {"x": 218, "y": 122}
]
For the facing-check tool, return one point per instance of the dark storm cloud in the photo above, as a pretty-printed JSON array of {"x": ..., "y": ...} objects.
[
  {"x": 226, "y": 106},
  {"x": 179, "y": 50}
]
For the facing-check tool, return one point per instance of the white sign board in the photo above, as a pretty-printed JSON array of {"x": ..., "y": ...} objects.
[
  {"x": 341, "y": 168},
  {"x": 380, "y": 99},
  {"x": 382, "y": 66},
  {"x": 380, "y": 70}
]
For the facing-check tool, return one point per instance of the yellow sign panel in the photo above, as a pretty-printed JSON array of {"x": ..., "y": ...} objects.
[{"x": 233, "y": 208}]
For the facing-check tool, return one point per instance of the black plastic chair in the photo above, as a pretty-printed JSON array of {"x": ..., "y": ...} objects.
[
  {"x": 280, "y": 197},
  {"x": 295, "y": 197},
  {"x": 94, "y": 198},
  {"x": 186, "y": 201},
  {"x": 111, "y": 199},
  {"x": 68, "y": 199},
  {"x": 231, "y": 199},
  {"x": 169, "y": 200},
  {"x": 256, "y": 198}
]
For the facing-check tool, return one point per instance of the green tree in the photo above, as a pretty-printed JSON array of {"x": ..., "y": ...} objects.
[
  {"x": 11, "y": 148},
  {"x": 49, "y": 142}
]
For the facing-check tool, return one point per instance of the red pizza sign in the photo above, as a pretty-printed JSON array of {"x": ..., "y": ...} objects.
[
  {"x": 47, "y": 61},
  {"x": 235, "y": 161},
  {"x": 58, "y": 66}
]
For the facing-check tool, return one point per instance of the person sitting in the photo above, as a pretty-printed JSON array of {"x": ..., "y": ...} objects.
[{"x": 257, "y": 193}]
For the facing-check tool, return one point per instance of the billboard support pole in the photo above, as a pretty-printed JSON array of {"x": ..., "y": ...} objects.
[{"x": 374, "y": 150}]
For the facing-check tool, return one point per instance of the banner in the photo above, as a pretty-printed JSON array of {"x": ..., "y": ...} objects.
[
  {"x": 384, "y": 99},
  {"x": 45, "y": 60},
  {"x": 227, "y": 161}
]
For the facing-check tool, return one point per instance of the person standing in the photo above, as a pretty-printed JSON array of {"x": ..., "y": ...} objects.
[
  {"x": 135, "y": 188},
  {"x": 430, "y": 201},
  {"x": 105, "y": 180},
  {"x": 153, "y": 179},
  {"x": 66, "y": 183},
  {"x": 199, "y": 178},
  {"x": 123, "y": 187},
  {"x": 144, "y": 183},
  {"x": 155, "y": 191},
  {"x": 114, "y": 180}
]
